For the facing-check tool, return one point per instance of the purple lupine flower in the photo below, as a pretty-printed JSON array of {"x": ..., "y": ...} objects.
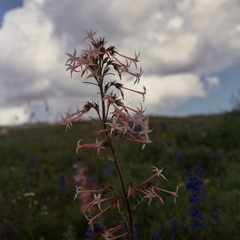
[
  {"x": 125, "y": 228},
  {"x": 179, "y": 158},
  {"x": 45, "y": 201},
  {"x": 90, "y": 167},
  {"x": 196, "y": 186},
  {"x": 221, "y": 179},
  {"x": 163, "y": 127},
  {"x": 173, "y": 228},
  {"x": 95, "y": 231},
  {"x": 62, "y": 183},
  {"x": 198, "y": 219},
  {"x": 219, "y": 158},
  {"x": 89, "y": 233},
  {"x": 78, "y": 159},
  {"x": 215, "y": 213},
  {"x": 156, "y": 236},
  {"x": 30, "y": 164},
  {"x": 107, "y": 170},
  {"x": 28, "y": 185},
  {"x": 95, "y": 180},
  {"x": 31, "y": 161},
  {"x": 98, "y": 225}
]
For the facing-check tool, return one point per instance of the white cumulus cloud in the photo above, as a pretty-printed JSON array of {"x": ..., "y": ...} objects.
[{"x": 180, "y": 41}]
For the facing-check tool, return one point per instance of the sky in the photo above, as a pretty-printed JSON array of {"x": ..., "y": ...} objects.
[{"x": 190, "y": 54}]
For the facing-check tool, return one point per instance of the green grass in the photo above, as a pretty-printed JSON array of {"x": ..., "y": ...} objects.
[{"x": 210, "y": 142}]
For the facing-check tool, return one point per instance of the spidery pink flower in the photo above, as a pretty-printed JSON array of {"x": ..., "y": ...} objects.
[{"x": 98, "y": 65}]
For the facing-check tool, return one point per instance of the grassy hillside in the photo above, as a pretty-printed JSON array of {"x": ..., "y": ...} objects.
[{"x": 37, "y": 186}]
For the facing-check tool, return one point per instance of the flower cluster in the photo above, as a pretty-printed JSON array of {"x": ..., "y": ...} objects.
[
  {"x": 96, "y": 63},
  {"x": 89, "y": 61},
  {"x": 196, "y": 185},
  {"x": 30, "y": 164},
  {"x": 83, "y": 181},
  {"x": 117, "y": 120},
  {"x": 149, "y": 190},
  {"x": 201, "y": 220},
  {"x": 106, "y": 198}
]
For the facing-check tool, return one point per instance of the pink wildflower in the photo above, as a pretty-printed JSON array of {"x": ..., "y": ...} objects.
[
  {"x": 108, "y": 235},
  {"x": 93, "y": 51},
  {"x": 126, "y": 122},
  {"x": 80, "y": 190},
  {"x": 114, "y": 126},
  {"x": 158, "y": 173},
  {"x": 129, "y": 58},
  {"x": 118, "y": 112},
  {"x": 94, "y": 73},
  {"x": 90, "y": 35},
  {"x": 131, "y": 189},
  {"x": 144, "y": 140},
  {"x": 109, "y": 98},
  {"x": 97, "y": 201},
  {"x": 150, "y": 194},
  {"x": 97, "y": 145},
  {"x": 125, "y": 67},
  {"x": 90, "y": 221},
  {"x": 80, "y": 176},
  {"x": 174, "y": 194},
  {"x": 72, "y": 57},
  {"x": 70, "y": 117},
  {"x": 142, "y": 93}
]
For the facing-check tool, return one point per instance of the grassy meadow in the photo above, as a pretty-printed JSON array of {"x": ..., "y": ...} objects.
[{"x": 37, "y": 186}]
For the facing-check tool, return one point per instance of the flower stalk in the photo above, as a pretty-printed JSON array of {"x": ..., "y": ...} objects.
[{"x": 117, "y": 120}]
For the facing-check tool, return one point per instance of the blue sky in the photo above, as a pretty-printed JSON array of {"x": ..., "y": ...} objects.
[
  {"x": 190, "y": 53},
  {"x": 219, "y": 100},
  {"x": 7, "y": 6}
]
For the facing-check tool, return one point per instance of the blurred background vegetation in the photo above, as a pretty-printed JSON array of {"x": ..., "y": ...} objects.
[{"x": 37, "y": 185}]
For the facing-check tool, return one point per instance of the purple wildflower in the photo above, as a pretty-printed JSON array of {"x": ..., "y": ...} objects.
[
  {"x": 156, "y": 236},
  {"x": 62, "y": 183},
  {"x": 216, "y": 210},
  {"x": 107, "y": 170},
  {"x": 196, "y": 186}
]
